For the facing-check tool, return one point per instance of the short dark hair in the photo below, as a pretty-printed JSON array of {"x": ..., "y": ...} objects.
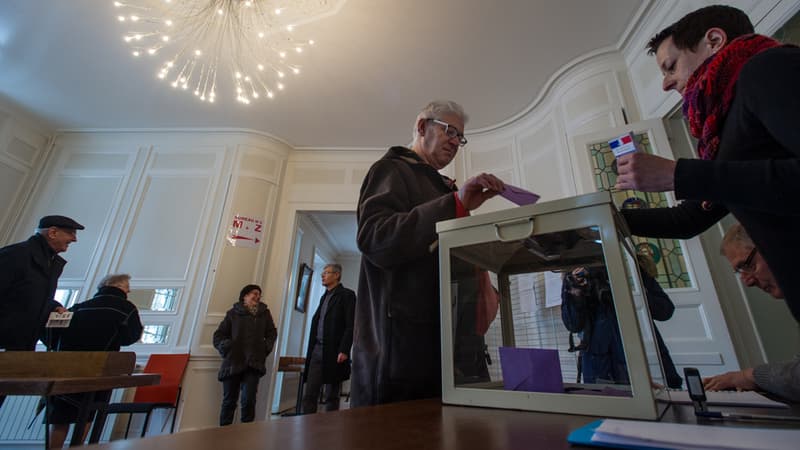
[
  {"x": 689, "y": 30},
  {"x": 248, "y": 289}
]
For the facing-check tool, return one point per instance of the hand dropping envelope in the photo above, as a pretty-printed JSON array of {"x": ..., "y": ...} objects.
[
  {"x": 531, "y": 370},
  {"x": 519, "y": 196}
]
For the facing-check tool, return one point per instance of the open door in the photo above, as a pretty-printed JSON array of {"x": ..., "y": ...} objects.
[{"x": 697, "y": 334}]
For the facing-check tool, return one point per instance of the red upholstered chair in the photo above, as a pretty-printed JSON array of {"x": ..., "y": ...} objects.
[{"x": 164, "y": 395}]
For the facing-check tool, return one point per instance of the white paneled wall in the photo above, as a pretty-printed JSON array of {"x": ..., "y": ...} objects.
[
  {"x": 23, "y": 149},
  {"x": 158, "y": 204}
]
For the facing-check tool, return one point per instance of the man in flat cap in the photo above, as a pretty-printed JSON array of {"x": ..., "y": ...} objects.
[{"x": 29, "y": 272}]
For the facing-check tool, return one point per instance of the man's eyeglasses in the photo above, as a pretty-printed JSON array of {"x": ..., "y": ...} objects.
[
  {"x": 451, "y": 131},
  {"x": 327, "y": 273},
  {"x": 748, "y": 265}
]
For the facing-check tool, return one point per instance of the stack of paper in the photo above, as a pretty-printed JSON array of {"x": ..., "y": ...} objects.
[
  {"x": 658, "y": 435},
  {"x": 729, "y": 398}
]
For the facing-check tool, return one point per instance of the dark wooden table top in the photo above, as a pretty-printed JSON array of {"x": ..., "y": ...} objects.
[
  {"x": 70, "y": 385},
  {"x": 424, "y": 424}
]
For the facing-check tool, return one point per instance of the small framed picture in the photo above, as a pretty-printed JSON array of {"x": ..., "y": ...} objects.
[{"x": 303, "y": 287}]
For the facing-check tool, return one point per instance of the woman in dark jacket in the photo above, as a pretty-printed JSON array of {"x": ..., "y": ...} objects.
[{"x": 244, "y": 338}]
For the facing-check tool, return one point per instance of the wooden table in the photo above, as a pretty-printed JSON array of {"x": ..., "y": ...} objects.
[
  {"x": 424, "y": 424},
  {"x": 60, "y": 373}
]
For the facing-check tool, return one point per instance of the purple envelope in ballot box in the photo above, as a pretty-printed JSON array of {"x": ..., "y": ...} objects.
[{"x": 531, "y": 370}]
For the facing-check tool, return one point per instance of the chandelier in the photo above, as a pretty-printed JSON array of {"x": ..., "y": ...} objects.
[{"x": 198, "y": 43}]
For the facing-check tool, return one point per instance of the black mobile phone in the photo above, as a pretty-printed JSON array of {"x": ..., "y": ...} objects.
[{"x": 695, "y": 384}]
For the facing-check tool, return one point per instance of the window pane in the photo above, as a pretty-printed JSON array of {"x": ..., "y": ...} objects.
[
  {"x": 154, "y": 299},
  {"x": 66, "y": 297},
  {"x": 667, "y": 254},
  {"x": 155, "y": 334}
]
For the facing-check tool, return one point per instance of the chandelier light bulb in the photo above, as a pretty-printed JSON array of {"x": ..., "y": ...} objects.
[{"x": 241, "y": 47}]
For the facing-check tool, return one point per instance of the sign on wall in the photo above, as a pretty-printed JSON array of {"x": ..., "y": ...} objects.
[{"x": 245, "y": 231}]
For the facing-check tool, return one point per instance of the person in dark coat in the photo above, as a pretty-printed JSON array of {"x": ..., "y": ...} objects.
[
  {"x": 105, "y": 322},
  {"x": 244, "y": 338},
  {"x": 588, "y": 308},
  {"x": 742, "y": 101},
  {"x": 29, "y": 274},
  {"x": 328, "y": 355},
  {"x": 396, "y": 340}
]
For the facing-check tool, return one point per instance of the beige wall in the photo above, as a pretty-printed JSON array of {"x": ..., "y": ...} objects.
[{"x": 158, "y": 204}]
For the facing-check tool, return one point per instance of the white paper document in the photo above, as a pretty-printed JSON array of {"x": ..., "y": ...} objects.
[
  {"x": 682, "y": 436},
  {"x": 729, "y": 398},
  {"x": 552, "y": 289}
]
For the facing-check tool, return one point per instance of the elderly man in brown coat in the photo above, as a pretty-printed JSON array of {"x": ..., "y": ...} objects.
[{"x": 396, "y": 349}]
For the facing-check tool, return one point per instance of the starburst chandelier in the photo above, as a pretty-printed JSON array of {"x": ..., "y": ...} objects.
[{"x": 200, "y": 42}]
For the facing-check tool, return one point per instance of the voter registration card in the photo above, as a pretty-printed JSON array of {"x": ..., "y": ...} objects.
[{"x": 623, "y": 145}]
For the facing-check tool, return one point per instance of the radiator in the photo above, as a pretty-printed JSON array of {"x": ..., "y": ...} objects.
[{"x": 16, "y": 416}]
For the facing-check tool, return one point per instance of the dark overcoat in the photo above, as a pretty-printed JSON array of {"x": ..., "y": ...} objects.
[
  {"x": 29, "y": 272},
  {"x": 245, "y": 340},
  {"x": 396, "y": 348},
  {"x": 337, "y": 330}
]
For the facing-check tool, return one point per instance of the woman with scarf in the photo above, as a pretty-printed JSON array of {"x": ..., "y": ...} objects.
[
  {"x": 244, "y": 338},
  {"x": 742, "y": 99}
]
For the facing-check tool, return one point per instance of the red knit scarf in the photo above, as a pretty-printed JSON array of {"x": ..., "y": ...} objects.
[{"x": 711, "y": 88}]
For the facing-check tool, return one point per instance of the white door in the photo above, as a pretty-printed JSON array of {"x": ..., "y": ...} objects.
[{"x": 697, "y": 334}]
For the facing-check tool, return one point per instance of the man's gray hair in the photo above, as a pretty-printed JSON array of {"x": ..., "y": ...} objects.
[
  {"x": 736, "y": 236},
  {"x": 335, "y": 268},
  {"x": 113, "y": 280},
  {"x": 438, "y": 108}
]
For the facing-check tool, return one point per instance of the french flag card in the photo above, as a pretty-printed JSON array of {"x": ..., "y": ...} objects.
[{"x": 623, "y": 145}]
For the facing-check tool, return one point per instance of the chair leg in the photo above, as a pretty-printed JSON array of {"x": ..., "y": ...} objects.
[
  {"x": 128, "y": 427},
  {"x": 146, "y": 422}
]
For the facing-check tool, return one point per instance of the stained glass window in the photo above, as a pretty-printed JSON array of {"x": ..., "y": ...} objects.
[{"x": 666, "y": 253}]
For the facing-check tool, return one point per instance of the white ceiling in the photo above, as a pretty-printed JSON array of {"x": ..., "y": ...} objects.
[
  {"x": 375, "y": 64},
  {"x": 339, "y": 229}
]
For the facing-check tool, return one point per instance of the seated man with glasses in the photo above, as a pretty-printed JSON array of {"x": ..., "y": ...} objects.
[
  {"x": 781, "y": 378},
  {"x": 396, "y": 342}
]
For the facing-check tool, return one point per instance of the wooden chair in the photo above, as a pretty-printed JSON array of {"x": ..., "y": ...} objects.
[
  {"x": 294, "y": 364},
  {"x": 165, "y": 395}
]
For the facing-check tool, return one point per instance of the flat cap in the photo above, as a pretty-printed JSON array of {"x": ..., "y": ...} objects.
[{"x": 59, "y": 221}]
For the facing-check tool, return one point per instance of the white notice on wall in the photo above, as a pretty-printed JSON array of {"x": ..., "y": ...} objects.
[
  {"x": 527, "y": 297},
  {"x": 552, "y": 289},
  {"x": 245, "y": 231}
]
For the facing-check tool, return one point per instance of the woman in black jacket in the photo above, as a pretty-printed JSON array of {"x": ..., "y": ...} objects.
[{"x": 244, "y": 338}]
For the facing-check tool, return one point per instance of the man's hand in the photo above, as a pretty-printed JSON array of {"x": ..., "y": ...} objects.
[
  {"x": 645, "y": 172},
  {"x": 742, "y": 380},
  {"x": 61, "y": 309},
  {"x": 479, "y": 189},
  {"x": 341, "y": 358}
]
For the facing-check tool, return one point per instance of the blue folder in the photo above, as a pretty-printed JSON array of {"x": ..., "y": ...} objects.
[{"x": 583, "y": 436}]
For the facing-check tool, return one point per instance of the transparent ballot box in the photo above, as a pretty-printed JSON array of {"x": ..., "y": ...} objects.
[{"x": 542, "y": 309}]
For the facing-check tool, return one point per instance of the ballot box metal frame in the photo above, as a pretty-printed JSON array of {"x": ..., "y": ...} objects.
[{"x": 590, "y": 210}]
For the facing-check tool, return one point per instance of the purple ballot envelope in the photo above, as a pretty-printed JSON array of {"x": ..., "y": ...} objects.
[
  {"x": 531, "y": 370},
  {"x": 519, "y": 196}
]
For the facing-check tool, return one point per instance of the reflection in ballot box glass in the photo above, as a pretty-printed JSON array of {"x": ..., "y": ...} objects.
[{"x": 546, "y": 312}]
